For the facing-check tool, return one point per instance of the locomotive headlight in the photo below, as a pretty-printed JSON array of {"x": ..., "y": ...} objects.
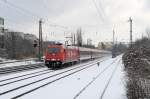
[{"x": 53, "y": 59}]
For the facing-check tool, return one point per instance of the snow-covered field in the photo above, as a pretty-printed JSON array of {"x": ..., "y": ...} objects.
[{"x": 86, "y": 84}]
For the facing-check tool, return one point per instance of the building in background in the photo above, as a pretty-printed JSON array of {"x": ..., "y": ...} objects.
[
  {"x": 105, "y": 45},
  {"x": 14, "y": 44},
  {"x": 9, "y": 33}
]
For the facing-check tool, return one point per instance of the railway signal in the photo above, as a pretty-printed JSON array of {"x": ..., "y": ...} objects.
[{"x": 35, "y": 43}]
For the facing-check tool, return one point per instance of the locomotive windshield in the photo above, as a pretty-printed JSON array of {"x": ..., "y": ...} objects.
[{"x": 53, "y": 50}]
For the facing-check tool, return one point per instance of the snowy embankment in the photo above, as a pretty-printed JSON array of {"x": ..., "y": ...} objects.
[{"x": 86, "y": 84}]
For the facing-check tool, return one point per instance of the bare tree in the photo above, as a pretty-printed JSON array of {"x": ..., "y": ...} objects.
[
  {"x": 79, "y": 37},
  {"x": 147, "y": 30},
  {"x": 18, "y": 47}
]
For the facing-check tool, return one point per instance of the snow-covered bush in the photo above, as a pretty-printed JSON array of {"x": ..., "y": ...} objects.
[
  {"x": 137, "y": 66},
  {"x": 136, "y": 59}
]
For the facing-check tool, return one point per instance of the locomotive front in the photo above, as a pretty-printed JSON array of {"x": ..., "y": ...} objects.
[{"x": 54, "y": 56}]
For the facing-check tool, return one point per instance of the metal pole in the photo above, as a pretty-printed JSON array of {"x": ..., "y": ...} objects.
[
  {"x": 113, "y": 37},
  {"x": 40, "y": 38},
  {"x": 74, "y": 40},
  {"x": 130, "y": 20},
  {"x": 113, "y": 46}
]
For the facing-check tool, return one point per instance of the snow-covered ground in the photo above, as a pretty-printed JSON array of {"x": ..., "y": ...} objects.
[
  {"x": 71, "y": 86},
  {"x": 14, "y": 63},
  {"x": 2, "y": 59}
]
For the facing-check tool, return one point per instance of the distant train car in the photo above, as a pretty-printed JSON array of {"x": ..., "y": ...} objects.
[
  {"x": 57, "y": 54},
  {"x": 89, "y": 53}
]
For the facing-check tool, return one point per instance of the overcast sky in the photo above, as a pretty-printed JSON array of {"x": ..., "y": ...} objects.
[{"x": 97, "y": 18}]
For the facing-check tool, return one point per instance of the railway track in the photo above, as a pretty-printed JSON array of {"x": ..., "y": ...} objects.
[
  {"x": 45, "y": 76},
  {"x": 15, "y": 69},
  {"x": 31, "y": 75},
  {"x": 99, "y": 75},
  {"x": 33, "y": 59},
  {"x": 109, "y": 81},
  {"x": 37, "y": 74}
]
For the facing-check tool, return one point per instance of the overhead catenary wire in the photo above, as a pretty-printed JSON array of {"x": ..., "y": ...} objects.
[
  {"x": 45, "y": 5},
  {"x": 98, "y": 11},
  {"x": 101, "y": 8},
  {"x": 21, "y": 10},
  {"x": 22, "y": 25},
  {"x": 13, "y": 24},
  {"x": 29, "y": 13}
]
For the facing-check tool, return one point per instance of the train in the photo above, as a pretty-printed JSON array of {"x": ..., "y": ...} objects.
[{"x": 56, "y": 55}]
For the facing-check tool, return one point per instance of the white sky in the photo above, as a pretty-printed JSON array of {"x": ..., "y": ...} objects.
[{"x": 78, "y": 13}]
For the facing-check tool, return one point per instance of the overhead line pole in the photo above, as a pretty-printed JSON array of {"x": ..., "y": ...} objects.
[
  {"x": 113, "y": 36},
  {"x": 130, "y": 20},
  {"x": 40, "y": 40},
  {"x": 113, "y": 47}
]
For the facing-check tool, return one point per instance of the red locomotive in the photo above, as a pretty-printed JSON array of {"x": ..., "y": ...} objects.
[{"x": 57, "y": 54}]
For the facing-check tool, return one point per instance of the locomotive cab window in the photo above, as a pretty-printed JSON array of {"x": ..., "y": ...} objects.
[{"x": 53, "y": 50}]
